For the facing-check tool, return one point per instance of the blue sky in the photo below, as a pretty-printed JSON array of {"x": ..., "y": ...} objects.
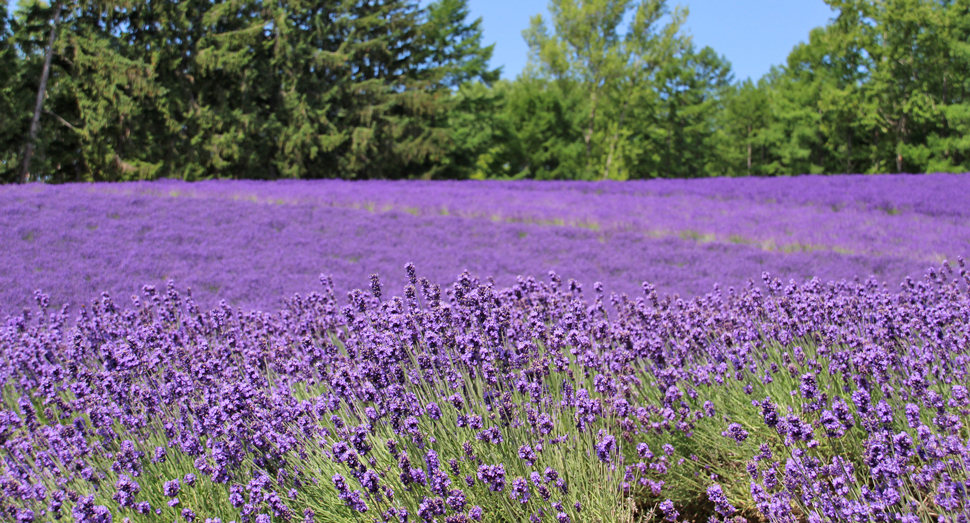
[{"x": 752, "y": 34}]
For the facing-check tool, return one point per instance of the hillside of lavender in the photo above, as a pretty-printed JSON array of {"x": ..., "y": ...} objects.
[
  {"x": 784, "y": 350},
  {"x": 254, "y": 243}
]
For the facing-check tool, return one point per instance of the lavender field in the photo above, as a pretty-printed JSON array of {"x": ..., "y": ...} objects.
[
  {"x": 556, "y": 352},
  {"x": 255, "y": 243}
]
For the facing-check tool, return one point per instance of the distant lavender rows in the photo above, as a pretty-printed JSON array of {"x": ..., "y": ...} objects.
[
  {"x": 254, "y": 243},
  {"x": 917, "y": 217}
]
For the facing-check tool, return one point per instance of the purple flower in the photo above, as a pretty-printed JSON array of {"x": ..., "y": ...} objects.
[
  {"x": 493, "y": 476},
  {"x": 721, "y": 504},
  {"x": 550, "y": 474},
  {"x": 127, "y": 488},
  {"x": 430, "y": 507},
  {"x": 235, "y": 496},
  {"x": 736, "y": 432},
  {"x": 769, "y": 412},
  {"x": 340, "y": 484},
  {"x": 959, "y": 397},
  {"x": 520, "y": 490},
  {"x": 913, "y": 415},
  {"x": 527, "y": 454},
  {"x": 643, "y": 450},
  {"x": 492, "y": 435},
  {"x": 605, "y": 447},
  {"x": 809, "y": 386},
  {"x": 830, "y": 422},
  {"x": 670, "y": 513},
  {"x": 369, "y": 480},
  {"x": 171, "y": 488},
  {"x": 862, "y": 401},
  {"x": 456, "y": 500},
  {"x": 708, "y": 409}
]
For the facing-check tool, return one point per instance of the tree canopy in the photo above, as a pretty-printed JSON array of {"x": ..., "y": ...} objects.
[{"x": 614, "y": 89}]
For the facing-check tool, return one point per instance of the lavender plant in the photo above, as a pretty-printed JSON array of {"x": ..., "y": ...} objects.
[{"x": 539, "y": 401}]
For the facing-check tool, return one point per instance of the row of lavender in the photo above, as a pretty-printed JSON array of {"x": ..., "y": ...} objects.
[
  {"x": 254, "y": 243},
  {"x": 542, "y": 401}
]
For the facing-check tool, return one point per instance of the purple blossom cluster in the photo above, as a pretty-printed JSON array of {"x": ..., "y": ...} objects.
[
  {"x": 539, "y": 401},
  {"x": 253, "y": 243}
]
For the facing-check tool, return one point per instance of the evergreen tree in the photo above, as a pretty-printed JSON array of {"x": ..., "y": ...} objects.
[
  {"x": 451, "y": 47},
  {"x": 31, "y": 40},
  {"x": 311, "y": 53},
  {"x": 105, "y": 88},
  {"x": 390, "y": 104},
  {"x": 12, "y": 123}
]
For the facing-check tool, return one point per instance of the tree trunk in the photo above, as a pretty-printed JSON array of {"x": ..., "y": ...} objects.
[
  {"x": 848, "y": 153},
  {"x": 749, "y": 150},
  {"x": 616, "y": 138},
  {"x": 902, "y": 139},
  {"x": 589, "y": 132},
  {"x": 41, "y": 93}
]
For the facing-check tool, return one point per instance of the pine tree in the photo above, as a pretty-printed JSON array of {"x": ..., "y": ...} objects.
[
  {"x": 31, "y": 41},
  {"x": 110, "y": 85},
  {"x": 310, "y": 55},
  {"x": 13, "y": 122},
  {"x": 453, "y": 57},
  {"x": 451, "y": 46},
  {"x": 216, "y": 90},
  {"x": 390, "y": 104}
]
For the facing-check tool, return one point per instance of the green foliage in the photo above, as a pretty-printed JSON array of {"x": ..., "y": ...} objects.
[
  {"x": 13, "y": 123},
  {"x": 883, "y": 88},
  {"x": 452, "y": 48},
  {"x": 617, "y": 71},
  {"x": 243, "y": 89},
  {"x": 613, "y": 90},
  {"x": 548, "y": 134}
]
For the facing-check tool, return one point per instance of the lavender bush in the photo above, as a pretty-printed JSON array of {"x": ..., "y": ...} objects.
[{"x": 820, "y": 402}]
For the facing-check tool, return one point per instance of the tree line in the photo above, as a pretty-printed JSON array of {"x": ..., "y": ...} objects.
[{"x": 613, "y": 89}]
